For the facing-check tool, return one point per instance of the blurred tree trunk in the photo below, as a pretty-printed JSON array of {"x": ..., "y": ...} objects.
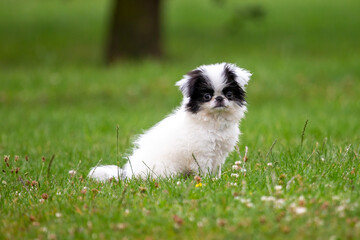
[{"x": 134, "y": 30}]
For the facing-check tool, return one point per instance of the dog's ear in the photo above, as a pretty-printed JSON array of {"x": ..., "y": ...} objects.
[
  {"x": 240, "y": 75},
  {"x": 187, "y": 83}
]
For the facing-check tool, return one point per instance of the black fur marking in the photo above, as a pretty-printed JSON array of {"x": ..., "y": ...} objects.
[
  {"x": 238, "y": 94},
  {"x": 198, "y": 85}
]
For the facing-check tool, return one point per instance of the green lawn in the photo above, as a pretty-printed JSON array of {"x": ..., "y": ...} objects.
[{"x": 56, "y": 98}]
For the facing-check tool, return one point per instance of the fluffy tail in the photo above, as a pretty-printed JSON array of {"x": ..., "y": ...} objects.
[{"x": 103, "y": 173}]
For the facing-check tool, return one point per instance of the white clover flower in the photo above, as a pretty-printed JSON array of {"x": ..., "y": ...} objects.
[
  {"x": 264, "y": 198},
  {"x": 238, "y": 163},
  {"x": 318, "y": 221},
  {"x": 340, "y": 208},
  {"x": 268, "y": 199},
  {"x": 200, "y": 224},
  {"x": 235, "y": 175},
  {"x": 72, "y": 172},
  {"x": 178, "y": 183},
  {"x": 292, "y": 206},
  {"x": 335, "y": 198},
  {"x": 249, "y": 204},
  {"x": 127, "y": 211},
  {"x": 279, "y": 203},
  {"x": 236, "y": 167},
  {"x": 300, "y": 210},
  {"x": 270, "y": 164}
]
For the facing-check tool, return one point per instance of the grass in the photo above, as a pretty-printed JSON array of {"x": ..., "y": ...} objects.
[{"x": 56, "y": 98}]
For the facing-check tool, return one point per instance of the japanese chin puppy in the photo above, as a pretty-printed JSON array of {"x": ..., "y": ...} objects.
[{"x": 198, "y": 136}]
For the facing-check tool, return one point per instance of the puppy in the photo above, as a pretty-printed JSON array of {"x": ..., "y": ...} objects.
[{"x": 198, "y": 136}]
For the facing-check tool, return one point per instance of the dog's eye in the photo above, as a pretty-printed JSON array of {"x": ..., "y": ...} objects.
[
  {"x": 229, "y": 94},
  {"x": 207, "y": 97}
]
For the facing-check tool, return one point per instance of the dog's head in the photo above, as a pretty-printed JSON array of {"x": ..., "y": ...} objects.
[{"x": 215, "y": 88}]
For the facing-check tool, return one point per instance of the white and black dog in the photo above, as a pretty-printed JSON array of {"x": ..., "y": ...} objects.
[{"x": 196, "y": 137}]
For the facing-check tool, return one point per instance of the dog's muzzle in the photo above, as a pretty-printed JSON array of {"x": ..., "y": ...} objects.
[{"x": 219, "y": 102}]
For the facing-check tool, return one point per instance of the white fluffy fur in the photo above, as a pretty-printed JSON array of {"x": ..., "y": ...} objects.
[{"x": 170, "y": 146}]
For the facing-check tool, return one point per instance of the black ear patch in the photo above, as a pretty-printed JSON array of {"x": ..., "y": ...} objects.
[
  {"x": 238, "y": 94},
  {"x": 195, "y": 76},
  {"x": 198, "y": 86},
  {"x": 229, "y": 73}
]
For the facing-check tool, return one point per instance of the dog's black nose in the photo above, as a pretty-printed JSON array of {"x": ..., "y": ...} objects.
[{"x": 219, "y": 98}]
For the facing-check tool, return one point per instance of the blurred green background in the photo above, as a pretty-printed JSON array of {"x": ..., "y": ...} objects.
[{"x": 57, "y": 96}]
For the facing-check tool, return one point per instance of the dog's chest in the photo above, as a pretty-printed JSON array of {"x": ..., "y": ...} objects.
[
  {"x": 216, "y": 141},
  {"x": 222, "y": 139}
]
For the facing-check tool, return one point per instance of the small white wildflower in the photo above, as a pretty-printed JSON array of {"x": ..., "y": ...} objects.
[
  {"x": 243, "y": 170},
  {"x": 58, "y": 215},
  {"x": 340, "y": 208},
  {"x": 268, "y": 199},
  {"x": 4, "y": 182},
  {"x": 249, "y": 204},
  {"x": 233, "y": 184},
  {"x": 300, "y": 210},
  {"x": 270, "y": 164},
  {"x": 322, "y": 159},
  {"x": 278, "y": 187},
  {"x": 279, "y": 203},
  {"x": 58, "y": 193},
  {"x": 178, "y": 183},
  {"x": 318, "y": 221},
  {"x": 357, "y": 225},
  {"x": 41, "y": 200},
  {"x": 72, "y": 172},
  {"x": 238, "y": 163},
  {"x": 235, "y": 175},
  {"x": 292, "y": 206},
  {"x": 127, "y": 211},
  {"x": 236, "y": 167},
  {"x": 335, "y": 198}
]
